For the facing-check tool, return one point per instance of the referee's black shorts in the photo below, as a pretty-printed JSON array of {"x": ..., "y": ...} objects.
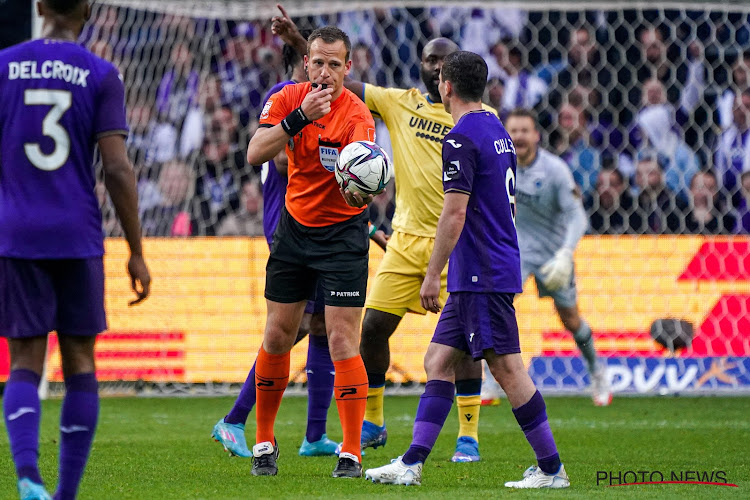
[{"x": 337, "y": 255}]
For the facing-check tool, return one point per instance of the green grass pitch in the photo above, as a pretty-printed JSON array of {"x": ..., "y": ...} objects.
[{"x": 161, "y": 449}]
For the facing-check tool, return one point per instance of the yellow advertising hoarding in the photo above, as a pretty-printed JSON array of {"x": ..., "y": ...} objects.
[{"x": 205, "y": 317}]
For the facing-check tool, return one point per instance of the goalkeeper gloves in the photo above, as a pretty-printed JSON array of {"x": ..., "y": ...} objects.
[{"x": 556, "y": 272}]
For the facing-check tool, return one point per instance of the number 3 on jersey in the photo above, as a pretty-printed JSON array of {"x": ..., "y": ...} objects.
[
  {"x": 60, "y": 100},
  {"x": 510, "y": 188}
]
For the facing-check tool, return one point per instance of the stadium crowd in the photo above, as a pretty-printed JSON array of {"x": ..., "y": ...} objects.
[{"x": 650, "y": 109}]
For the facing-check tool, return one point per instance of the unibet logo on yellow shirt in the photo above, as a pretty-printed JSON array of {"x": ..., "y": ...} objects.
[{"x": 417, "y": 127}]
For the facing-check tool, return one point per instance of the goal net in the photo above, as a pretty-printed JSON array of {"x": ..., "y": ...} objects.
[{"x": 648, "y": 104}]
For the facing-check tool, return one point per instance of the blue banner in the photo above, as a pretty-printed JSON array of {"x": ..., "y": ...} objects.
[{"x": 646, "y": 375}]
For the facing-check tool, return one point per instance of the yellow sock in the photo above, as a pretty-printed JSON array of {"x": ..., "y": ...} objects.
[
  {"x": 374, "y": 410},
  {"x": 468, "y": 416}
]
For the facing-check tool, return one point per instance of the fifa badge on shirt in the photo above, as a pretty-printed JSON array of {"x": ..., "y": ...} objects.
[{"x": 329, "y": 153}]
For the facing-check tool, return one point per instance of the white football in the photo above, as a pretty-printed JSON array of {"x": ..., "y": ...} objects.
[{"x": 363, "y": 166}]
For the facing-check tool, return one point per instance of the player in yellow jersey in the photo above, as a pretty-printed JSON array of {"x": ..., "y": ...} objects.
[{"x": 417, "y": 123}]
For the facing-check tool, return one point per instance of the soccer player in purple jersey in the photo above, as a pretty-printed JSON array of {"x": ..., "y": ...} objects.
[
  {"x": 477, "y": 230},
  {"x": 57, "y": 102}
]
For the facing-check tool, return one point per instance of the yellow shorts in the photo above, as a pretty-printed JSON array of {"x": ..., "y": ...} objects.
[{"x": 395, "y": 288}]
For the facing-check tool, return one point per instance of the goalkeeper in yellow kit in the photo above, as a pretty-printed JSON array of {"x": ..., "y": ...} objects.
[{"x": 417, "y": 123}]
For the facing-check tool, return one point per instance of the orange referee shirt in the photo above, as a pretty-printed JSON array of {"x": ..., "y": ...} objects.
[{"x": 312, "y": 193}]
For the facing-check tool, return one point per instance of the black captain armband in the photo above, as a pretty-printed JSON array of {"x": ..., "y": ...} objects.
[{"x": 295, "y": 122}]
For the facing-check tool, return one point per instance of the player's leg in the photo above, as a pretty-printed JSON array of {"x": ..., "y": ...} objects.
[
  {"x": 498, "y": 339},
  {"x": 289, "y": 285},
  {"x": 468, "y": 402},
  {"x": 377, "y": 328},
  {"x": 80, "y": 411},
  {"x": 79, "y": 286},
  {"x": 22, "y": 410},
  {"x": 447, "y": 349},
  {"x": 27, "y": 313},
  {"x": 271, "y": 379},
  {"x": 531, "y": 413},
  {"x": 350, "y": 384},
  {"x": 229, "y": 431},
  {"x": 566, "y": 305},
  {"x": 320, "y": 378},
  {"x": 491, "y": 390}
]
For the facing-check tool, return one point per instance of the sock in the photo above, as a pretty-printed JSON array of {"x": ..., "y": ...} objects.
[
  {"x": 468, "y": 402},
  {"x": 22, "y": 414},
  {"x": 350, "y": 386},
  {"x": 78, "y": 418},
  {"x": 244, "y": 403},
  {"x": 532, "y": 417},
  {"x": 271, "y": 379},
  {"x": 433, "y": 409},
  {"x": 319, "y": 386},
  {"x": 375, "y": 391},
  {"x": 585, "y": 342}
]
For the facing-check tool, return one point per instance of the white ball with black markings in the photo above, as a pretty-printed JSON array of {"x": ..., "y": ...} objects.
[{"x": 363, "y": 166}]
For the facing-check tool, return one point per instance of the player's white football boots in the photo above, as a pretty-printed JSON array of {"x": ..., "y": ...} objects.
[
  {"x": 534, "y": 477},
  {"x": 396, "y": 472},
  {"x": 600, "y": 390}
]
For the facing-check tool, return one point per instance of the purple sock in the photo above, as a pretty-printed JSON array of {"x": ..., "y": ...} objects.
[
  {"x": 245, "y": 401},
  {"x": 532, "y": 417},
  {"x": 22, "y": 414},
  {"x": 433, "y": 409},
  {"x": 80, "y": 411},
  {"x": 319, "y": 386}
]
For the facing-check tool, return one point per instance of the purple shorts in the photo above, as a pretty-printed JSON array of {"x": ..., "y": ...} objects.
[
  {"x": 473, "y": 322},
  {"x": 318, "y": 304},
  {"x": 39, "y": 296}
]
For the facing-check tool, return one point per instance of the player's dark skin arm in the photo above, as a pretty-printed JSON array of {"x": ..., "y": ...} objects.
[
  {"x": 119, "y": 179},
  {"x": 380, "y": 238}
]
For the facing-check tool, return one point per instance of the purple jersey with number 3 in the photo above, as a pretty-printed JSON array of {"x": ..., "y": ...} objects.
[
  {"x": 479, "y": 159},
  {"x": 56, "y": 100}
]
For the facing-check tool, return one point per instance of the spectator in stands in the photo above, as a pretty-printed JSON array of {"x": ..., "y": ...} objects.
[
  {"x": 733, "y": 154},
  {"x": 667, "y": 65},
  {"x": 198, "y": 118},
  {"x": 248, "y": 220},
  {"x": 169, "y": 216},
  {"x": 740, "y": 81},
  {"x": 743, "y": 208},
  {"x": 522, "y": 88},
  {"x": 247, "y": 71},
  {"x": 659, "y": 210},
  {"x": 658, "y": 131},
  {"x": 493, "y": 96},
  {"x": 221, "y": 167},
  {"x": 582, "y": 69},
  {"x": 363, "y": 66},
  {"x": 178, "y": 89},
  {"x": 611, "y": 205},
  {"x": 143, "y": 145},
  {"x": 570, "y": 142},
  {"x": 709, "y": 211},
  {"x": 474, "y": 26}
]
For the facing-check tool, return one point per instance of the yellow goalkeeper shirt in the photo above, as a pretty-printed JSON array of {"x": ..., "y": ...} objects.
[{"x": 417, "y": 127}]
